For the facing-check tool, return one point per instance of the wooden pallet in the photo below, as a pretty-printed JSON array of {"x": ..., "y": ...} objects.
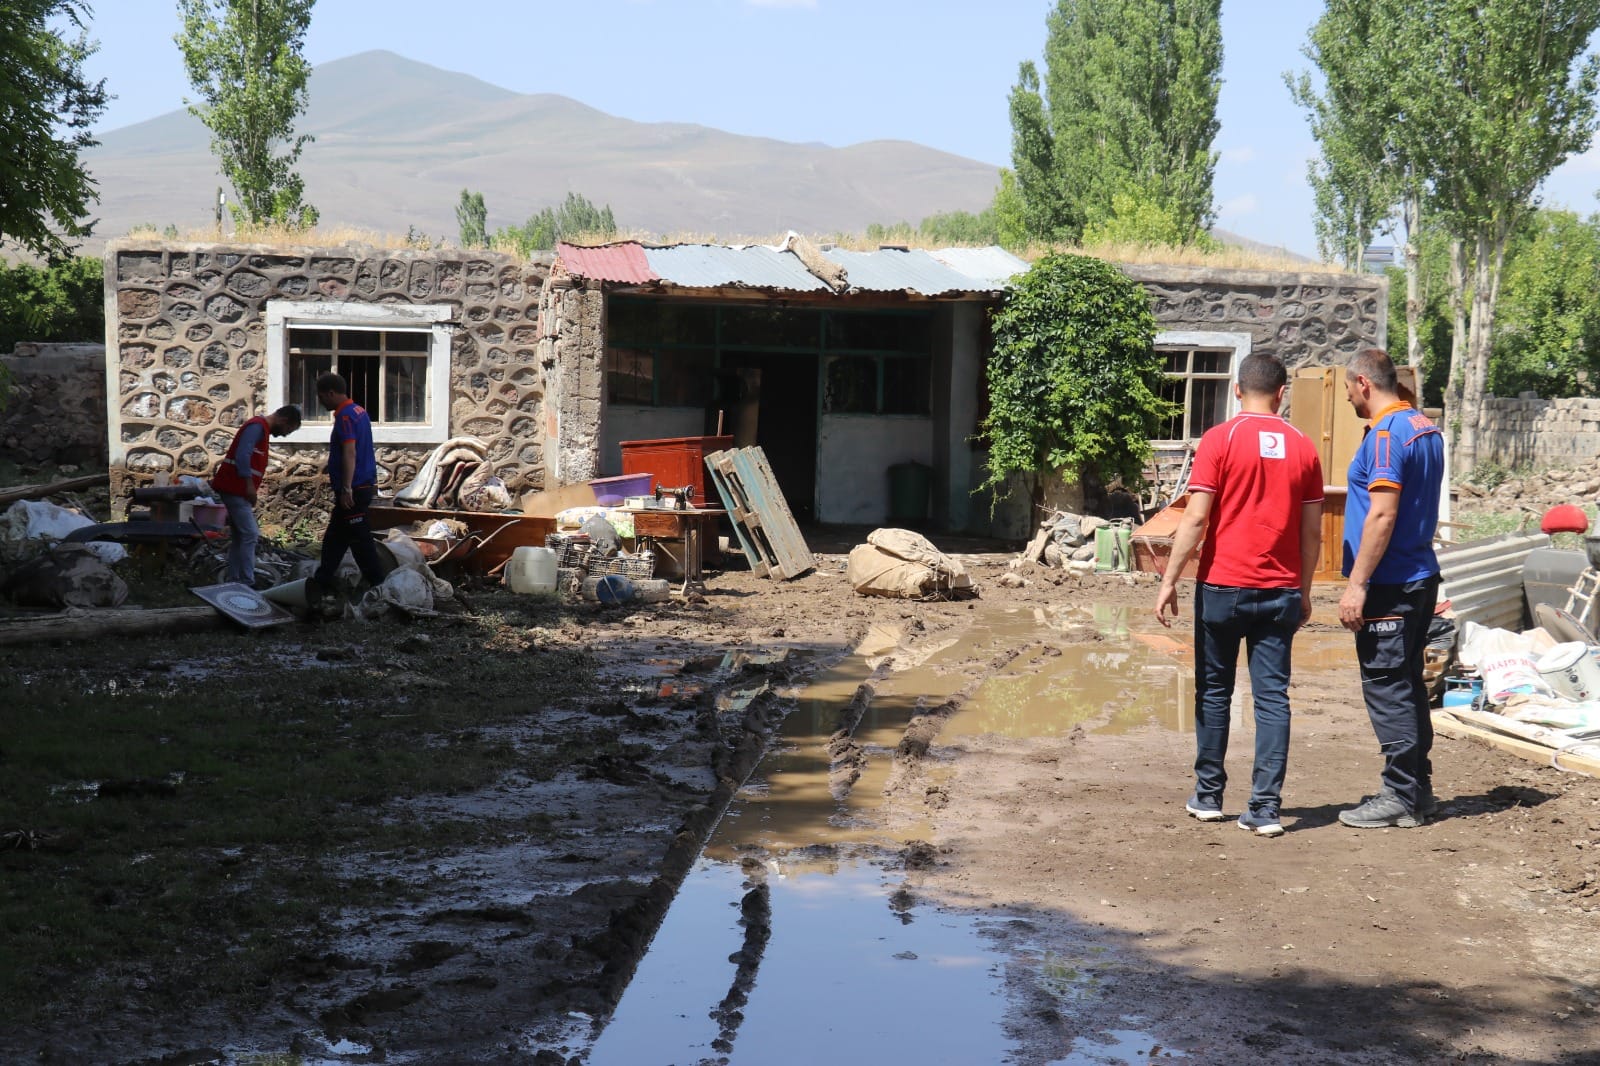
[{"x": 761, "y": 518}]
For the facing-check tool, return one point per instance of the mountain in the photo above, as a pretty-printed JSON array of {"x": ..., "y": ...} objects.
[{"x": 397, "y": 141}]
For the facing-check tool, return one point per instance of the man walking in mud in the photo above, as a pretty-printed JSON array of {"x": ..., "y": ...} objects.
[
  {"x": 1390, "y": 516},
  {"x": 353, "y": 472},
  {"x": 1255, "y": 515}
]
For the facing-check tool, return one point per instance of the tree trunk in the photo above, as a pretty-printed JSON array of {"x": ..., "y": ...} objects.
[
  {"x": 98, "y": 623},
  {"x": 1489, "y": 257},
  {"x": 1455, "y": 389},
  {"x": 1412, "y": 213}
]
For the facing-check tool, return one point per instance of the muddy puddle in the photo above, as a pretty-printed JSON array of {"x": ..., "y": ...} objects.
[{"x": 799, "y": 932}]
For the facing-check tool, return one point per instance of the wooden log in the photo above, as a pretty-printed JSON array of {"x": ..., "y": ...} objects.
[
  {"x": 95, "y": 623},
  {"x": 39, "y": 492}
]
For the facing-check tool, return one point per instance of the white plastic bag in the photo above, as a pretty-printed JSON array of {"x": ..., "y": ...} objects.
[{"x": 47, "y": 523}]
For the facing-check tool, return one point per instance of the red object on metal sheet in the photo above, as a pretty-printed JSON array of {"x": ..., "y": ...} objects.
[
  {"x": 1565, "y": 518},
  {"x": 675, "y": 462}
]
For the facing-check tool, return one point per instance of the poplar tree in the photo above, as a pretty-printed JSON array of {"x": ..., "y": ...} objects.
[
  {"x": 1500, "y": 95},
  {"x": 1127, "y": 105},
  {"x": 472, "y": 218},
  {"x": 243, "y": 58}
]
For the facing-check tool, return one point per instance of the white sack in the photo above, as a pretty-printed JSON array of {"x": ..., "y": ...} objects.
[
  {"x": 1505, "y": 660},
  {"x": 40, "y": 520}
]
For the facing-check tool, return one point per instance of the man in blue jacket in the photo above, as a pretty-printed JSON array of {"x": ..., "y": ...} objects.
[
  {"x": 1391, "y": 514},
  {"x": 353, "y": 473}
]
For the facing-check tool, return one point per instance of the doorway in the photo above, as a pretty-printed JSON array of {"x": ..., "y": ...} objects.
[{"x": 781, "y": 387}]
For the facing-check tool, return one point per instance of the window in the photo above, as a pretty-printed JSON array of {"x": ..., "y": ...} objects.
[
  {"x": 396, "y": 359},
  {"x": 661, "y": 377},
  {"x": 1200, "y": 369}
]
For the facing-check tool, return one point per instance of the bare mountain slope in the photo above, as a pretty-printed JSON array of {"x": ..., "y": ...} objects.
[{"x": 397, "y": 141}]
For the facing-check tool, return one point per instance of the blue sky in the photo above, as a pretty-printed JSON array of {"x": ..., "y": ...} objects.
[{"x": 834, "y": 71}]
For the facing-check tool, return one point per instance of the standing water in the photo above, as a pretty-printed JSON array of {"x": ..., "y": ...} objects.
[{"x": 794, "y": 938}]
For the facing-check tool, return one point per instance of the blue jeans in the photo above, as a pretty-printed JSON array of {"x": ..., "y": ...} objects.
[
  {"x": 242, "y": 542},
  {"x": 1265, "y": 620}
]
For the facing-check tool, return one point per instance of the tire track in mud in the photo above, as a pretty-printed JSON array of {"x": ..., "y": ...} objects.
[{"x": 923, "y": 729}]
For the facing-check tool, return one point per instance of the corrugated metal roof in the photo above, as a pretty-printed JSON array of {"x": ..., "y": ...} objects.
[
  {"x": 992, "y": 267},
  {"x": 709, "y": 266},
  {"x": 892, "y": 270},
  {"x": 623, "y": 262}
]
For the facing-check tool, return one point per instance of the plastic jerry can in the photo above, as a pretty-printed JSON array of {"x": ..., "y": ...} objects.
[{"x": 531, "y": 570}]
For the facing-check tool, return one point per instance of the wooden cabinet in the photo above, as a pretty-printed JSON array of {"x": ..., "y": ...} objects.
[{"x": 1319, "y": 409}]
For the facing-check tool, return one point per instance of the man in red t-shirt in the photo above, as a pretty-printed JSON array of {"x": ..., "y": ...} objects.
[{"x": 1255, "y": 500}]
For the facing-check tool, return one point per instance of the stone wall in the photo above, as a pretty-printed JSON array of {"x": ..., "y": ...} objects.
[
  {"x": 1541, "y": 432},
  {"x": 187, "y": 322},
  {"x": 56, "y": 411},
  {"x": 1304, "y": 319},
  {"x": 572, "y": 349}
]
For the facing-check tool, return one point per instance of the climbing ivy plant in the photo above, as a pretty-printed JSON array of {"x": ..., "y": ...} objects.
[{"x": 1074, "y": 381}]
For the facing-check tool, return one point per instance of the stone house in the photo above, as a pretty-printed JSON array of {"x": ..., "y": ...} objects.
[{"x": 840, "y": 364}]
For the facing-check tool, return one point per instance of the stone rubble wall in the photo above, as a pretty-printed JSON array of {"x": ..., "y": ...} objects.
[
  {"x": 1541, "y": 432},
  {"x": 572, "y": 349},
  {"x": 56, "y": 411},
  {"x": 188, "y": 325},
  {"x": 1304, "y": 319}
]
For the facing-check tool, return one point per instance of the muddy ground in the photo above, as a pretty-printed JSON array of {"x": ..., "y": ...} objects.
[{"x": 1472, "y": 939}]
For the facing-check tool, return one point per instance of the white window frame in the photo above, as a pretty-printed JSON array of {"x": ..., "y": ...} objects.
[
  {"x": 281, "y": 315},
  {"x": 1187, "y": 340}
]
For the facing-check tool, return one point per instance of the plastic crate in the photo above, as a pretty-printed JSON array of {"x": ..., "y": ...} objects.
[{"x": 642, "y": 565}]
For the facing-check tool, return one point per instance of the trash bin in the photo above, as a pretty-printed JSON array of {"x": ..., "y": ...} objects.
[{"x": 909, "y": 487}]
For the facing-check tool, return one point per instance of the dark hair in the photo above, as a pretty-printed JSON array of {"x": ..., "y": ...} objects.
[
  {"x": 290, "y": 414},
  {"x": 1261, "y": 374},
  {"x": 1375, "y": 365},
  {"x": 329, "y": 381}
]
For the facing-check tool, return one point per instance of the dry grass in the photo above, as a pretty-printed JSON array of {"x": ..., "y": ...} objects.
[{"x": 1228, "y": 257}]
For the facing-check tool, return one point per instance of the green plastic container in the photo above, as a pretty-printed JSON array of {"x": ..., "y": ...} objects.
[
  {"x": 1113, "y": 549},
  {"x": 909, "y": 487}
]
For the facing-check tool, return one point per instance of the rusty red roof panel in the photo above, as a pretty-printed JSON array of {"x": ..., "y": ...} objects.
[{"x": 623, "y": 262}]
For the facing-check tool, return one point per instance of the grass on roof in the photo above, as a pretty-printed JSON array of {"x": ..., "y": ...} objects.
[{"x": 1227, "y": 257}]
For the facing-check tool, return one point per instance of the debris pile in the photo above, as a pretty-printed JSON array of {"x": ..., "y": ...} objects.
[
  {"x": 1080, "y": 544},
  {"x": 1533, "y": 493}
]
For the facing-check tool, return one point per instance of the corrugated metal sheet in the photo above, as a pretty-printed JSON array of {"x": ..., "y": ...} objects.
[
  {"x": 991, "y": 268},
  {"x": 1483, "y": 578},
  {"x": 624, "y": 262},
  {"x": 710, "y": 266},
  {"x": 889, "y": 270}
]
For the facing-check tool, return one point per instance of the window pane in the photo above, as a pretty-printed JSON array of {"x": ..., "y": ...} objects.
[
  {"x": 405, "y": 389},
  {"x": 852, "y": 385},
  {"x": 628, "y": 322},
  {"x": 1177, "y": 362},
  {"x": 1175, "y": 391},
  {"x": 1208, "y": 405},
  {"x": 1212, "y": 362},
  {"x": 406, "y": 340},
  {"x": 630, "y": 373},
  {"x": 880, "y": 332},
  {"x": 301, "y": 388},
  {"x": 362, "y": 374},
  {"x": 358, "y": 340},
  {"x": 306, "y": 339},
  {"x": 686, "y": 378},
  {"x": 771, "y": 327},
  {"x": 907, "y": 386}
]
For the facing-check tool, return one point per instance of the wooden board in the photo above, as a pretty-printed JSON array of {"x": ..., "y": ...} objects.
[
  {"x": 1453, "y": 724},
  {"x": 761, "y": 518}
]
